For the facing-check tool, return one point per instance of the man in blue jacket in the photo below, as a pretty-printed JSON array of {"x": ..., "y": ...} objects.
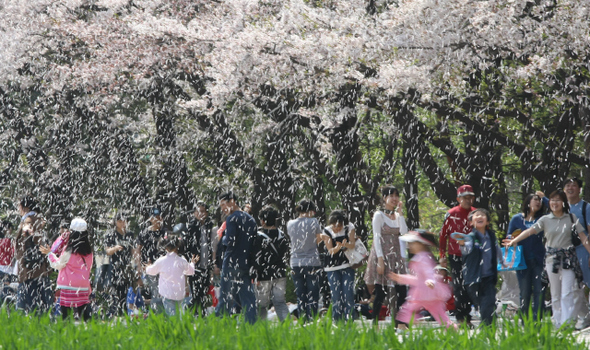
[
  {"x": 580, "y": 208},
  {"x": 236, "y": 281}
]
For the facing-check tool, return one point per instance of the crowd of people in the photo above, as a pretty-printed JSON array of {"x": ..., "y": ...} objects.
[{"x": 176, "y": 270}]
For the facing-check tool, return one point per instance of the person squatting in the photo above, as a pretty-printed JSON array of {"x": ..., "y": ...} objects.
[{"x": 238, "y": 266}]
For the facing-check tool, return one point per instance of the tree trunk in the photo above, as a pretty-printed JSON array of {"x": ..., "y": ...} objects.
[
  {"x": 585, "y": 117},
  {"x": 411, "y": 184}
]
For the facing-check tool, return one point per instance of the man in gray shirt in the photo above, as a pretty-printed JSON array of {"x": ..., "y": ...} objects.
[{"x": 304, "y": 233}]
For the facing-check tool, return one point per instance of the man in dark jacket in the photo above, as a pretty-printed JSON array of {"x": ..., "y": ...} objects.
[
  {"x": 149, "y": 252},
  {"x": 236, "y": 280},
  {"x": 197, "y": 242},
  {"x": 271, "y": 259},
  {"x": 34, "y": 290}
]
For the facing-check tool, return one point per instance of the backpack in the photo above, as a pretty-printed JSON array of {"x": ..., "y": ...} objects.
[{"x": 584, "y": 204}]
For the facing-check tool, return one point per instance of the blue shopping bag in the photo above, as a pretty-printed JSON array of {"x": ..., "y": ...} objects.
[{"x": 513, "y": 259}]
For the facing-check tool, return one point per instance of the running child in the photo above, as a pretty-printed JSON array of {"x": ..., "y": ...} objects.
[{"x": 427, "y": 289}]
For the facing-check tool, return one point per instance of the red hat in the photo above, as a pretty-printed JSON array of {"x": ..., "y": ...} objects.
[{"x": 465, "y": 190}]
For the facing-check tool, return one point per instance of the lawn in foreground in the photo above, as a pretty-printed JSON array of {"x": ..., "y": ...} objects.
[{"x": 160, "y": 332}]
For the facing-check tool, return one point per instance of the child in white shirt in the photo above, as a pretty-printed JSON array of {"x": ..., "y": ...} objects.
[{"x": 172, "y": 269}]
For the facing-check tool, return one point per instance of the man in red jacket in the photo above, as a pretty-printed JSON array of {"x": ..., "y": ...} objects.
[{"x": 456, "y": 221}]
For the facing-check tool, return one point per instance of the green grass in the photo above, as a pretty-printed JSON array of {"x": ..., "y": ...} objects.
[{"x": 160, "y": 332}]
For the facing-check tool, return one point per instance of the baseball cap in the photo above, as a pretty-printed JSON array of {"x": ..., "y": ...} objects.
[
  {"x": 78, "y": 224},
  {"x": 180, "y": 229},
  {"x": 156, "y": 211},
  {"x": 465, "y": 190}
]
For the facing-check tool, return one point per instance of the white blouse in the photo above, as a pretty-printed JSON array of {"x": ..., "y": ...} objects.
[{"x": 379, "y": 218}]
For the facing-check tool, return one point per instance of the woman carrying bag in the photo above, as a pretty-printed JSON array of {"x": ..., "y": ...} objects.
[
  {"x": 339, "y": 236},
  {"x": 561, "y": 262},
  {"x": 529, "y": 279}
]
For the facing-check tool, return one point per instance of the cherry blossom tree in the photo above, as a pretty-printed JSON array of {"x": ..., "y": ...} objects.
[{"x": 166, "y": 101}]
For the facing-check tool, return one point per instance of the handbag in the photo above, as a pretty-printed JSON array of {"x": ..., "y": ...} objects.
[
  {"x": 357, "y": 256},
  {"x": 513, "y": 259},
  {"x": 576, "y": 241}
]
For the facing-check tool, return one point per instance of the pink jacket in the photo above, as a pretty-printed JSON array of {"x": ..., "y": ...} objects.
[
  {"x": 422, "y": 265},
  {"x": 74, "y": 270}
]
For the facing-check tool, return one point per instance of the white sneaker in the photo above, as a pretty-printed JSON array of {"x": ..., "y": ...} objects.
[{"x": 583, "y": 323}]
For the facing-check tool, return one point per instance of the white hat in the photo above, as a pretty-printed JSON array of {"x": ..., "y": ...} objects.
[
  {"x": 416, "y": 236},
  {"x": 78, "y": 224}
]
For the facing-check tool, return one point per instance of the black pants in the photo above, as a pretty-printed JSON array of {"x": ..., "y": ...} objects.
[
  {"x": 85, "y": 311},
  {"x": 199, "y": 288},
  {"x": 462, "y": 298},
  {"x": 325, "y": 292},
  {"x": 118, "y": 299},
  {"x": 483, "y": 295},
  {"x": 401, "y": 292}
]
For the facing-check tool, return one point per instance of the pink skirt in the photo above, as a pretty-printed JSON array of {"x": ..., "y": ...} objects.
[{"x": 73, "y": 298}]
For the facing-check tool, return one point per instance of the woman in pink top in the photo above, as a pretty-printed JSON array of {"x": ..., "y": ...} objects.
[
  {"x": 427, "y": 290},
  {"x": 74, "y": 266},
  {"x": 172, "y": 269}
]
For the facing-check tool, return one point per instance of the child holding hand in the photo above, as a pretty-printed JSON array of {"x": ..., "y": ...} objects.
[
  {"x": 427, "y": 290},
  {"x": 172, "y": 269}
]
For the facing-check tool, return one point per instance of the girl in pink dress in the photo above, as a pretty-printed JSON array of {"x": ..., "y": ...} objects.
[
  {"x": 74, "y": 266},
  {"x": 427, "y": 290}
]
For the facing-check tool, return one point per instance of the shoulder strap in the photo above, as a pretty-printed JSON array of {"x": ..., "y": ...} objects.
[
  {"x": 584, "y": 205},
  {"x": 328, "y": 233}
]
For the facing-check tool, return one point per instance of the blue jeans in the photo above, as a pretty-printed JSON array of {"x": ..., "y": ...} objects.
[
  {"x": 150, "y": 283},
  {"x": 35, "y": 294},
  {"x": 583, "y": 257},
  {"x": 531, "y": 286},
  {"x": 307, "y": 288},
  {"x": 236, "y": 284},
  {"x": 170, "y": 306},
  {"x": 342, "y": 288},
  {"x": 102, "y": 277}
]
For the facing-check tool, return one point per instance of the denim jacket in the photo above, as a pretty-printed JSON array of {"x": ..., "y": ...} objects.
[{"x": 473, "y": 257}]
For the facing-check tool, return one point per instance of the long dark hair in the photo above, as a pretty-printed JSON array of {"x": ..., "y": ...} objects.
[
  {"x": 79, "y": 243},
  {"x": 526, "y": 206}
]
